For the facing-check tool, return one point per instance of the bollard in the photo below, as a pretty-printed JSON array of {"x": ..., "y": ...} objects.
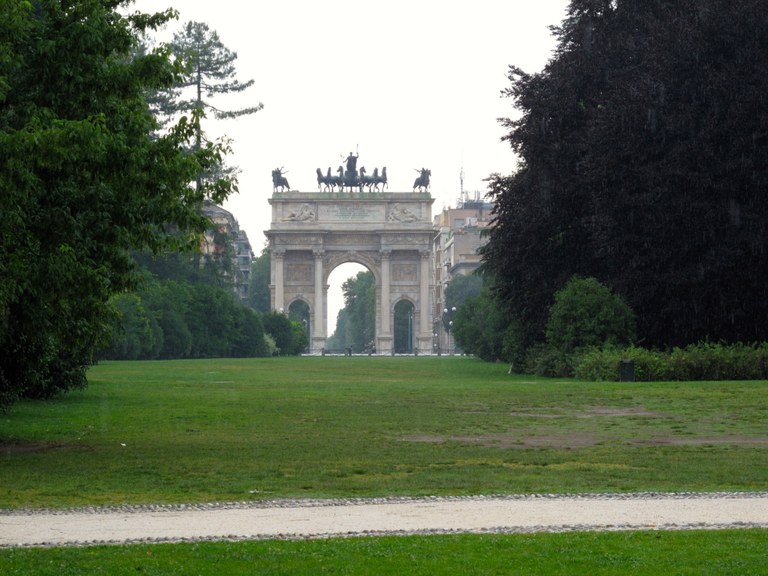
[{"x": 627, "y": 371}]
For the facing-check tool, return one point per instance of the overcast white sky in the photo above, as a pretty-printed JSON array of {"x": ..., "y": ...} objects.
[{"x": 406, "y": 83}]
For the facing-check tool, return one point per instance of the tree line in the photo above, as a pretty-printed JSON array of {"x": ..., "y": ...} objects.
[
  {"x": 643, "y": 164},
  {"x": 186, "y": 307}
]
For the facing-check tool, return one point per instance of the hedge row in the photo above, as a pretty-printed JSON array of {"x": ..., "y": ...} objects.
[{"x": 704, "y": 361}]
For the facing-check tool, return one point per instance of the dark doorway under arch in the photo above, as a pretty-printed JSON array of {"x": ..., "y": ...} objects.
[{"x": 298, "y": 311}]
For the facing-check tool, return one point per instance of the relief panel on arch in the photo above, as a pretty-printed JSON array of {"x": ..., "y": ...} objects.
[
  {"x": 299, "y": 272},
  {"x": 404, "y": 272}
]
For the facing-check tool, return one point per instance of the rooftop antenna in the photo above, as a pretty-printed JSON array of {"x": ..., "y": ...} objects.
[{"x": 461, "y": 180}]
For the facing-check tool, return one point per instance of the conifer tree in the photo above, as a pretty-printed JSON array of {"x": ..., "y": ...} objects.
[{"x": 209, "y": 72}]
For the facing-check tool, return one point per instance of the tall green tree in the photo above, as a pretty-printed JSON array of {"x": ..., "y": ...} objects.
[
  {"x": 209, "y": 71},
  {"x": 461, "y": 289},
  {"x": 643, "y": 159},
  {"x": 83, "y": 180},
  {"x": 259, "y": 296}
]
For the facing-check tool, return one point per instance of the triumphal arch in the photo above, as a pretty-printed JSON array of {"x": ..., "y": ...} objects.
[{"x": 389, "y": 233}]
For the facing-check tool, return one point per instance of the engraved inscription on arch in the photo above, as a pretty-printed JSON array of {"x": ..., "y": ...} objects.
[
  {"x": 351, "y": 212},
  {"x": 346, "y": 240}
]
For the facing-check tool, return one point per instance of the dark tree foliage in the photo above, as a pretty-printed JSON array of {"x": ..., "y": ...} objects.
[
  {"x": 178, "y": 319},
  {"x": 359, "y": 301},
  {"x": 484, "y": 329},
  {"x": 82, "y": 181},
  {"x": 338, "y": 340},
  {"x": 459, "y": 290},
  {"x": 644, "y": 147},
  {"x": 259, "y": 296},
  {"x": 289, "y": 335}
]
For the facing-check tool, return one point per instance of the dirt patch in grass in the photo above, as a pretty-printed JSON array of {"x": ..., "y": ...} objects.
[
  {"x": 593, "y": 412},
  {"x": 11, "y": 448},
  {"x": 565, "y": 441},
  {"x": 574, "y": 441},
  {"x": 626, "y": 411},
  {"x": 708, "y": 441}
]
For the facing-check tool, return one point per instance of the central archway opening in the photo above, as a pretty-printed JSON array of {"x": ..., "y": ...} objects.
[{"x": 351, "y": 309}]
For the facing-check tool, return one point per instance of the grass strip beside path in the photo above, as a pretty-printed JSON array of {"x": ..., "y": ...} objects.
[{"x": 699, "y": 553}]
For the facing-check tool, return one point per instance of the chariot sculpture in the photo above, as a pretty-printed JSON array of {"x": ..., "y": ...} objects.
[{"x": 351, "y": 178}]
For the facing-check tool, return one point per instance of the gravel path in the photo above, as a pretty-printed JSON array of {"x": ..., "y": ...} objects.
[{"x": 325, "y": 518}]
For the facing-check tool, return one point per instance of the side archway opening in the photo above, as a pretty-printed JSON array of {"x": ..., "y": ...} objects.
[{"x": 404, "y": 325}]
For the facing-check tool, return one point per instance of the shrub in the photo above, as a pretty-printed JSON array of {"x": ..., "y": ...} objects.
[
  {"x": 599, "y": 365},
  {"x": 586, "y": 313},
  {"x": 545, "y": 360},
  {"x": 702, "y": 361}
]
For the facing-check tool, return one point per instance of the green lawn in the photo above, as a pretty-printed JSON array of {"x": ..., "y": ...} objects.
[
  {"x": 223, "y": 430},
  {"x": 702, "y": 553}
]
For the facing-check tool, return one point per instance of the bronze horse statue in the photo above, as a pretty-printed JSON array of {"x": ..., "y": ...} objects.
[
  {"x": 279, "y": 181},
  {"x": 422, "y": 182},
  {"x": 365, "y": 181},
  {"x": 379, "y": 179},
  {"x": 326, "y": 180}
]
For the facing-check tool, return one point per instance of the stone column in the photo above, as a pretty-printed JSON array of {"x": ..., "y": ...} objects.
[
  {"x": 278, "y": 263},
  {"x": 425, "y": 328},
  {"x": 319, "y": 332},
  {"x": 386, "y": 325}
]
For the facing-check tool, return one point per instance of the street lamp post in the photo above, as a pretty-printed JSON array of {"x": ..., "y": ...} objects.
[{"x": 449, "y": 314}]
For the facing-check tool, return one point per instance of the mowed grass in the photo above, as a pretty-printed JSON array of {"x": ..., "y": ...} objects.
[
  {"x": 700, "y": 553},
  {"x": 236, "y": 430}
]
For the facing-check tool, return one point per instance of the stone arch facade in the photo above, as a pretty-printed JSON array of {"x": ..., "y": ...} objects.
[{"x": 388, "y": 233}]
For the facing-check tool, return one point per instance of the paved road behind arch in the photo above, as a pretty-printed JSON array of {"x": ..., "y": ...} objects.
[{"x": 324, "y": 518}]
